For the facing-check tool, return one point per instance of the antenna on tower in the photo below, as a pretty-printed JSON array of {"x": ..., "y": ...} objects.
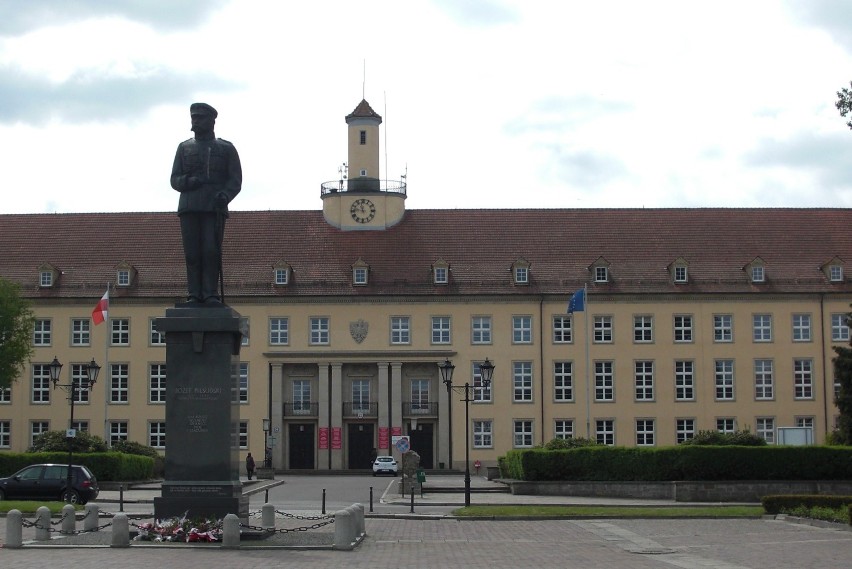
[
  {"x": 364, "y": 81},
  {"x": 385, "y": 94}
]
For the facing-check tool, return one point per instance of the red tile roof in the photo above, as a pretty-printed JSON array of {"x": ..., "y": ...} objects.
[{"x": 479, "y": 245}]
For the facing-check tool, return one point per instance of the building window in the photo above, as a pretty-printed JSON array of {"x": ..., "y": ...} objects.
[
  {"x": 157, "y": 383},
  {"x": 400, "y": 330},
  {"x": 523, "y": 434},
  {"x": 563, "y": 381},
  {"x": 643, "y": 329},
  {"x": 281, "y": 276},
  {"x": 5, "y": 434},
  {"x": 645, "y": 432},
  {"x": 122, "y": 277},
  {"x": 563, "y": 429},
  {"x": 481, "y": 393},
  {"x": 522, "y": 382},
  {"x": 80, "y": 375},
  {"x": 805, "y": 422},
  {"x": 320, "y": 331},
  {"x": 601, "y": 275},
  {"x": 5, "y": 394},
  {"x": 522, "y": 329},
  {"x": 726, "y": 424},
  {"x": 765, "y": 428},
  {"x": 45, "y": 279},
  {"x": 680, "y": 274},
  {"x": 441, "y": 330},
  {"x": 758, "y": 274},
  {"x": 37, "y": 428},
  {"x": 119, "y": 379},
  {"x": 482, "y": 434},
  {"x": 762, "y": 328},
  {"x": 117, "y": 431},
  {"x": 480, "y": 330},
  {"x": 301, "y": 396},
  {"x": 419, "y": 395},
  {"x": 41, "y": 383},
  {"x": 362, "y": 137},
  {"x": 80, "y": 335},
  {"x": 839, "y": 328},
  {"x": 604, "y": 382},
  {"x": 80, "y": 426},
  {"x": 562, "y": 330},
  {"x": 724, "y": 380},
  {"x": 522, "y": 275},
  {"x": 361, "y": 396},
  {"x": 243, "y": 384},
  {"x": 684, "y": 380},
  {"x": 644, "y": 380},
  {"x": 605, "y": 431},
  {"x": 683, "y": 328},
  {"x": 801, "y": 327},
  {"x": 723, "y": 328},
  {"x": 684, "y": 429},
  {"x": 442, "y": 275},
  {"x": 803, "y": 379},
  {"x": 242, "y": 434},
  {"x": 359, "y": 275},
  {"x": 603, "y": 329},
  {"x": 279, "y": 331},
  {"x": 764, "y": 381},
  {"x": 835, "y": 273},
  {"x": 155, "y": 337},
  {"x": 120, "y": 332},
  {"x": 41, "y": 332},
  {"x": 157, "y": 434}
]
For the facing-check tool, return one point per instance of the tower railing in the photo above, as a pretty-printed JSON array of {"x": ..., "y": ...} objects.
[{"x": 363, "y": 185}]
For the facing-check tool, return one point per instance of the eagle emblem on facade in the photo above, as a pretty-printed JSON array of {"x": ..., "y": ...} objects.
[{"x": 358, "y": 330}]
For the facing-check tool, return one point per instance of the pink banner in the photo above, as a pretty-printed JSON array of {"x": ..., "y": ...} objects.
[
  {"x": 336, "y": 438},
  {"x": 384, "y": 439},
  {"x": 396, "y": 431},
  {"x": 323, "y": 437}
]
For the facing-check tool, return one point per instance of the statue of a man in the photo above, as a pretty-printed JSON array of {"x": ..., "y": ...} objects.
[{"x": 208, "y": 175}]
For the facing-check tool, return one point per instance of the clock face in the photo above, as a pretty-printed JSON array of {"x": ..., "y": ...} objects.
[{"x": 363, "y": 210}]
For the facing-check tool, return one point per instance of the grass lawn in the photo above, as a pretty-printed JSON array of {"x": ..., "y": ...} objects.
[
  {"x": 613, "y": 511},
  {"x": 28, "y": 507}
]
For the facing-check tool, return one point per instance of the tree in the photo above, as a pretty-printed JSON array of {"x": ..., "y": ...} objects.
[
  {"x": 844, "y": 103},
  {"x": 843, "y": 376},
  {"x": 56, "y": 441},
  {"x": 16, "y": 330}
]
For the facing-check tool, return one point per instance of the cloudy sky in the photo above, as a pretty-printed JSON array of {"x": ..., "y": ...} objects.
[{"x": 486, "y": 103}]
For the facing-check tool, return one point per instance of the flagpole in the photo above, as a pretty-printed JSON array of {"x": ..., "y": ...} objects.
[
  {"x": 588, "y": 393},
  {"x": 106, "y": 389}
]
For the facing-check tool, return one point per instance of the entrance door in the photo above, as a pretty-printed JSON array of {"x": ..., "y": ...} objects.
[
  {"x": 361, "y": 445},
  {"x": 422, "y": 443},
  {"x": 301, "y": 446}
]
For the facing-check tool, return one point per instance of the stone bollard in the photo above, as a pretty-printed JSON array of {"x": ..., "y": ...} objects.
[
  {"x": 69, "y": 519},
  {"x": 267, "y": 518},
  {"x": 120, "y": 531},
  {"x": 361, "y": 526},
  {"x": 231, "y": 531},
  {"x": 42, "y": 523},
  {"x": 14, "y": 529},
  {"x": 344, "y": 530},
  {"x": 90, "y": 523}
]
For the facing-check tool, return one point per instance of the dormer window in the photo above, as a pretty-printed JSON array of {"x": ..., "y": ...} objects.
[
  {"x": 122, "y": 277},
  {"x": 680, "y": 275},
  {"x": 601, "y": 274},
  {"x": 281, "y": 274},
  {"x": 679, "y": 271},
  {"x": 360, "y": 273},
  {"x": 521, "y": 272},
  {"x": 833, "y": 270},
  {"x": 441, "y": 272},
  {"x": 47, "y": 275},
  {"x": 756, "y": 270}
]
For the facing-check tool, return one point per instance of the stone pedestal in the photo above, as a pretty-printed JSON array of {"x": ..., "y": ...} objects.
[{"x": 202, "y": 414}]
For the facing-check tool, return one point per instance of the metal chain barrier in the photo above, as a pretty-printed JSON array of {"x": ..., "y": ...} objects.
[
  {"x": 295, "y": 517},
  {"x": 289, "y": 530}
]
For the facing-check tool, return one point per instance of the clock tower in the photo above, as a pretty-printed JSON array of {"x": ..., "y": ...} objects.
[{"x": 361, "y": 200}]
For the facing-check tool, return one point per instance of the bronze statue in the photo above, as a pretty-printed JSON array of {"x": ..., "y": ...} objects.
[{"x": 208, "y": 175}]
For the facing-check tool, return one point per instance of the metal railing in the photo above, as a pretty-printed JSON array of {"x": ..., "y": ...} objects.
[
  {"x": 359, "y": 410},
  {"x": 301, "y": 409},
  {"x": 410, "y": 409},
  {"x": 363, "y": 185}
]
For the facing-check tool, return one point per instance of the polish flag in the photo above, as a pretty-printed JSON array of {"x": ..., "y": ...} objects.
[{"x": 99, "y": 314}]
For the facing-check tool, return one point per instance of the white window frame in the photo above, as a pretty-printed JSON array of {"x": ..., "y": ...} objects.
[
  {"x": 45, "y": 279},
  {"x": 157, "y": 376},
  {"x": 643, "y": 329},
  {"x": 37, "y": 428},
  {"x": 684, "y": 372},
  {"x": 5, "y": 395},
  {"x": 801, "y": 327},
  {"x": 483, "y": 433},
  {"x": 80, "y": 376},
  {"x": 683, "y": 328},
  {"x": 281, "y": 276},
  {"x": 441, "y": 275},
  {"x": 122, "y": 277},
  {"x": 481, "y": 394},
  {"x": 279, "y": 331},
  {"x": 601, "y": 274},
  {"x": 119, "y": 383},
  {"x": 605, "y": 431},
  {"x": 684, "y": 429},
  {"x": 5, "y": 434},
  {"x": 157, "y": 434},
  {"x": 563, "y": 429},
  {"x": 643, "y": 380},
  {"x": 764, "y": 379},
  {"x": 726, "y": 424},
  {"x": 320, "y": 333},
  {"x": 764, "y": 427},
  {"x": 646, "y": 432},
  {"x": 522, "y": 329},
  {"x": 522, "y": 382},
  {"x": 803, "y": 379},
  {"x": 723, "y": 328},
  {"x": 681, "y": 275},
  {"x": 563, "y": 329},
  {"x": 835, "y": 273},
  {"x": 603, "y": 327},
  {"x": 839, "y": 328},
  {"x": 761, "y": 327},
  {"x": 480, "y": 330},
  {"x": 155, "y": 337},
  {"x": 441, "y": 330},
  {"x": 40, "y": 391},
  {"x": 758, "y": 274},
  {"x": 604, "y": 380},
  {"x": 118, "y": 431},
  {"x": 400, "y": 330},
  {"x": 81, "y": 332},
  {"x": 723, "y": 377},
  {"x": 522, "y": 275},
  {"x": 243, "y": 383},
  {"x": 359, "y": 276},
  {"x": 119, "y": 332},
  {"x": 563, "y": 381},
  {"x": 523, "y": 431},
  {"x": 43, "y": 332}
]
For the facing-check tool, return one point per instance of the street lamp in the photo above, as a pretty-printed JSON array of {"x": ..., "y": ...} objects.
[
  {"x": 92, "y": 371},
  {"x": 486, "y": 371},
  {"x": 267, "y": 458},
  {"x": 447, "y": 377}
]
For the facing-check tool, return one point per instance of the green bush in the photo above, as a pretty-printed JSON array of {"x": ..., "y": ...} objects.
[
  {"x": 574, "y": 442},
  {"x": 715, "y": 438},
  {"x": 106, "y": 466},
  {"x": 131, "y": 447},
  {"x": 818, "y": 507},
  {"x": 56, "y": 441}
]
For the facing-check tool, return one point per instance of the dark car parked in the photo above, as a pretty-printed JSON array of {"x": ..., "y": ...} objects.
[{"x": 47, "y": 482}]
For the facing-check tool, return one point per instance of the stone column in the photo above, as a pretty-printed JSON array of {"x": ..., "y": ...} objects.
[
  {"x": 384, "y": 409},
  {"x": 323, "y": 419},
  {"x": 277, "y": 417},
  {"x": 337, "y": 462},
  {"x": 396, "y": 401}
]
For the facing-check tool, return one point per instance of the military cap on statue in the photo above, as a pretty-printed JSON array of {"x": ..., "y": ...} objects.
[{"x": 202, "y": 109}]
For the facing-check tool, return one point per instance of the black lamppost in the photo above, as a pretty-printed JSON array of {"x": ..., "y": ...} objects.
[
  {"x": 267, "y": 455},
  {"x": 486, "y": 371},
  {"x": 447, "y": 377},
  {"x": 92, "y": 371}
]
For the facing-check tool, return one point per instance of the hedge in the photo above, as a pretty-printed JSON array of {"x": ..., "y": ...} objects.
[
  {"x": 680, "y": 463},
  {"x": 777, "y": 504},
  {"x": 106, "y": 466}
]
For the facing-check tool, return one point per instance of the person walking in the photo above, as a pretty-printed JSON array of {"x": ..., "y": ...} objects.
[{"x": 249, "y": 465}]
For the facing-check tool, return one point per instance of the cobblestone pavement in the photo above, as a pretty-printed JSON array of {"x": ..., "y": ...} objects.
[{"x": 588, "y": 544}]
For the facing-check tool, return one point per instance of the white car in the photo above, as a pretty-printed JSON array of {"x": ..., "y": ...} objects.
[{"x": 385, "y": 464}]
